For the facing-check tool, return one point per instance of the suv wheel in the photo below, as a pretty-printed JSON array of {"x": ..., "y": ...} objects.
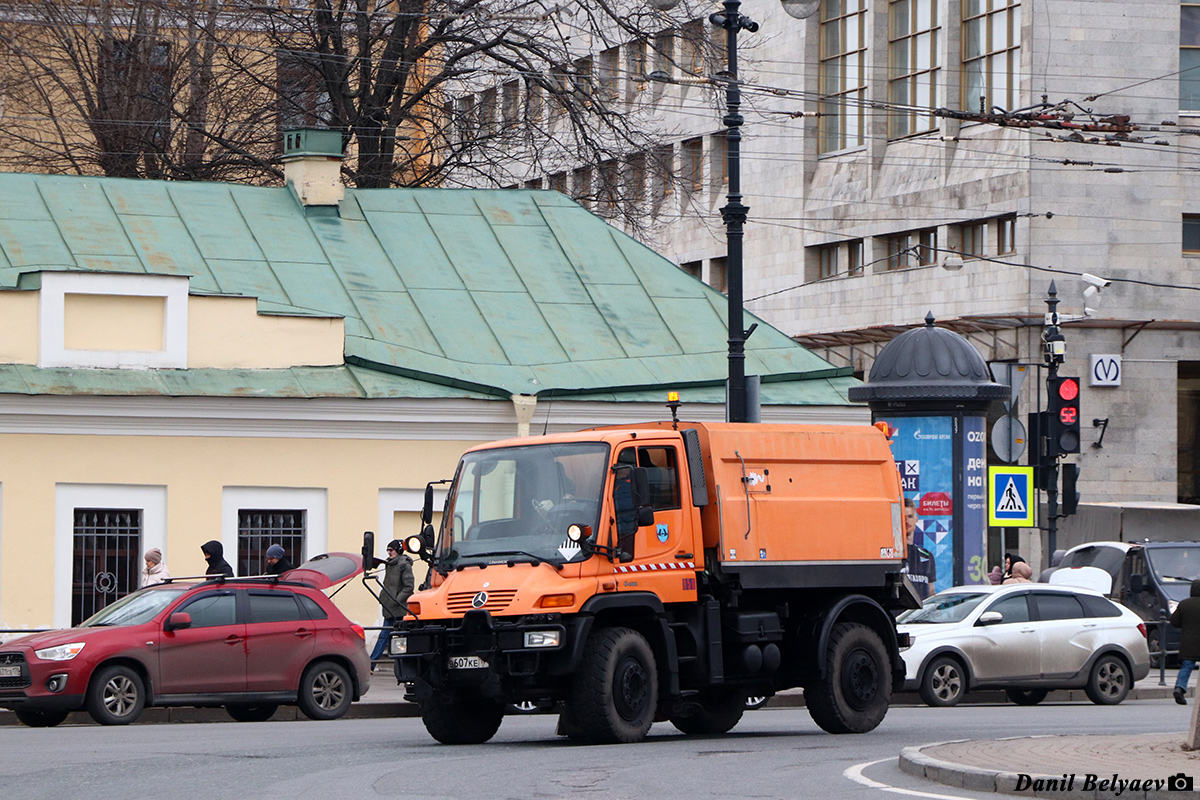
[
  {"x": 325, "y": 691},
  {"x": 115, "y": 696}
]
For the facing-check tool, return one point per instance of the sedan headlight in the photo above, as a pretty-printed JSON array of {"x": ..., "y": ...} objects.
[
  {"x": 541, "y": 638},
  {"x": 399, "y": 645},
  {"x": 62, "y": 652}
]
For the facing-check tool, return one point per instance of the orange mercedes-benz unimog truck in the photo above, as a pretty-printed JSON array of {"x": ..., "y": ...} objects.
[{"x": 640, "y": 573}]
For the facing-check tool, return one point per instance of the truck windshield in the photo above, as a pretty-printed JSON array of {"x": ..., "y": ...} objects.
[
  {"x": 1174, "y": 564},
  {"x": 516, "y": 503}
]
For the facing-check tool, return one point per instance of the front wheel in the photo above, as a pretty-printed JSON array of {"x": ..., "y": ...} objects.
[
  {"x": 857, "y": 688},
  {"x": 251, "y": 712},
  {"x": 943, "y": 683},
  {"x": 325, "y": 691},
  {"x": 461, "y": 719},
  {"x": 116, "y": 696},
  {"x": 1109, "y": 682},
  {"x": 716, "y": 711},
  {"x": 1026, "y": 697},
  {"x": 614, "y": 693},
  {"x": 37, "y": 718}
]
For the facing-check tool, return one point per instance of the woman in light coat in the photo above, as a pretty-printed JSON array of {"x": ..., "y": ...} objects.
[{"x": 155, "y": 570}]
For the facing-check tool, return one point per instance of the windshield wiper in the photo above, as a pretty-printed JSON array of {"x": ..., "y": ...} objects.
[{"x": 536, "y": 559}]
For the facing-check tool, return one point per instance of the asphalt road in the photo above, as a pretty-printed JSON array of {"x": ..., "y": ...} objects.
[{"x": 773, "y": 753}]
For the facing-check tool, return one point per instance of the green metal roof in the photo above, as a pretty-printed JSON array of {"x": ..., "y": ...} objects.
[{"x": 479, "y": 292}]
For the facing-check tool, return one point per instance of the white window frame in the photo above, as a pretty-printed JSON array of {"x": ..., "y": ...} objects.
[
  {"x": 314, "y": 502},
  {"x": 152, "y": 500},
  {"x": 55, "y": 286},
  {"x": 392, "y": 501}
]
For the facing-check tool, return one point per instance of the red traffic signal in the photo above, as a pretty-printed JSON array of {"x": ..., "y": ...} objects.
[
  {"x": 1068, "y": 388},
  {"x": 1063, "y": 435}
]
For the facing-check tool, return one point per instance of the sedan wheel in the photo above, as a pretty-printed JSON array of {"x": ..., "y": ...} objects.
[
  {"x": 944, "y": 682},
  {"x": 1110, "y": 681}
]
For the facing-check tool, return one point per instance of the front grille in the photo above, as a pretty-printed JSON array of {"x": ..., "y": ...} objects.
[
  {"x": 462, "y": 602},
  {"x": 19, "y": 681}
]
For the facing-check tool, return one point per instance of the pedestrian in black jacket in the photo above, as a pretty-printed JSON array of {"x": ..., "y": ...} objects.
[
  {"x": 277, "y": 560},
  {"x": 1186, "y": 617},
  {"x": 214, "y": 554}
]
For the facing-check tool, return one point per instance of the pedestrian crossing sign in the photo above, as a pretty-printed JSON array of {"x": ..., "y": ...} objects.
[{"x": 1010, "y": 497}]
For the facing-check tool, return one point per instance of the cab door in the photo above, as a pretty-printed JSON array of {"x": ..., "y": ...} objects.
[
  {"x": 664, "y": 550},
  {"x": 208, "y": 656}
]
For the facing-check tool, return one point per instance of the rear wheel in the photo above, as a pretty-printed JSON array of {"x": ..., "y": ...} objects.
[
  {"x": 251, "y": 712},
  {"x": 1109, "y": 682},
  {"x": 614, "y": 693},
  {"x": 325, "y": 691},
  {"x": 115, "y": 696},
  {"x": 461, "y": 719},
  {"x": 36, "y": 718},
  {"x": 944, "y": 682},
  {"x": 1026, "y": 697},
  {"x": 854, "y": 696},
  {"x": 715, "y": 711}
]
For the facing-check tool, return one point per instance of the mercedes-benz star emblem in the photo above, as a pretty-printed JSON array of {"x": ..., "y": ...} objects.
[{"x": 479, "y": 600}]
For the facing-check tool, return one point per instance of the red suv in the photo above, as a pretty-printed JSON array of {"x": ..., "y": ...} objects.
[{"x": 249, "y": 644}]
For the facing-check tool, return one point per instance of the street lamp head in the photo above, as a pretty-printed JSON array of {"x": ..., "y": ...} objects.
[
  {"x": 800, "y": 9},
  {"x": 663, "y": 5},
  {"x": 952, "y": 262},
  {"x": 659, "y": 76}
]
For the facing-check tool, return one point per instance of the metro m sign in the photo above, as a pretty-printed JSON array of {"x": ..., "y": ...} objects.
[{"x": 1105, "y": 371}]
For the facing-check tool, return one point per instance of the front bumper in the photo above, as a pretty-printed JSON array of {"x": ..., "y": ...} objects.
[
  {"x": 40, "y": 684},
  {"x": 490, "y": 655}
]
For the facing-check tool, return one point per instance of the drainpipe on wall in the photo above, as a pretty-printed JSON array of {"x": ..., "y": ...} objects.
[{"x": 523, "y": 405}]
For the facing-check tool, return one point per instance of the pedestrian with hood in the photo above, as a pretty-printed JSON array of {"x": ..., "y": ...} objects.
[
  {"x": 214, "y": 554},
  {"x": 398, "y": 585},
  {"x": 155, "y": 570},
  {"x": 277, "y": 560},
  {"x": 1186, "y": 617},
  {"x": 1021, "y": 573},
  {"x": 1009, "y": 561}
]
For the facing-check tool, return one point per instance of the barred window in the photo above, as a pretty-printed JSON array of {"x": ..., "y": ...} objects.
[
  {"x": 912, "y": 65},
  {"x": 258, "y": 529},
  {"x": 991, "y": 41},
  {"x": 842, "y": 74},
  {"x": 106, "y": 558}
]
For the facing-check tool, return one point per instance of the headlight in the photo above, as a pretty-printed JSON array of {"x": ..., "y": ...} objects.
[
  {"x": 399, "y": 645},
  {"x": 1172, "y": 605},
  {"x": 541, "y": 638},
  {"x": 62, "y": 652}
]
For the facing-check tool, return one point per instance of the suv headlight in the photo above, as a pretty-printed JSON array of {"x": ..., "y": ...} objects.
[
  {"x": 62, "y": 652},
  {"x": 541, "y": 638},
  {"x": 399, "y": 646}
]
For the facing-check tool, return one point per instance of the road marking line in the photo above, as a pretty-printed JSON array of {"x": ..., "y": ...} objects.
[{"x": 855, "y": 774}]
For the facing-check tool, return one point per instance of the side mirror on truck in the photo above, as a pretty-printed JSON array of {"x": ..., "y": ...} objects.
[
  {"x": 369, "y": 560},
  {"x": 427, "y": 508}
]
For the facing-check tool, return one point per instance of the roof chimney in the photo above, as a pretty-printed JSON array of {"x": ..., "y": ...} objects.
[{"x": 312, "y": 165}]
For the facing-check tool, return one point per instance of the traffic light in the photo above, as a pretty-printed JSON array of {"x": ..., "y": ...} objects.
[
  {"x": 1064, "y": 415},
  {"x": 1070, "y": 494}
]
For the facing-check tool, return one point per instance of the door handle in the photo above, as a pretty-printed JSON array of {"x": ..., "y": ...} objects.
[
  {"x": 234, "y": 639},
  {"x": 303, "y": 632},
  {"x": 1090, "y": 625},
  {"x": 1028, "y": 630}
]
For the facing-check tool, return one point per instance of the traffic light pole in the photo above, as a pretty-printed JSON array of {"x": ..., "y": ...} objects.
[{"x": 1053, "y": 351}]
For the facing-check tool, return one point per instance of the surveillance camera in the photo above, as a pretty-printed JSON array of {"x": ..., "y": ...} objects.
[{"x": 1098, "y": 282}]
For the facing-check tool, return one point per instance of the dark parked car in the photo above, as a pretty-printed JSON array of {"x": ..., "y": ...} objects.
[
  {"x": 249, "y": 644},
  {"x": 1149, "y": 578}
]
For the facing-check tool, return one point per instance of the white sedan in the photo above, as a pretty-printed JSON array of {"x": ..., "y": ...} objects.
[{"x": 1025, "y": 638}]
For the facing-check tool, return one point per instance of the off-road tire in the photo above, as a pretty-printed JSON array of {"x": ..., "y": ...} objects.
[
  {"x": 854, "y": 697},
  {"x": 944, "y": 682},
  {"x": 115, "y": 696},
  {"x": 40, "y": 718},
  {"x": 325, "y": 691},
  {"x": 459, "y": 719},
  {"x": 1109, "y": 682},
  {"x": 1026, "y": 697},
  {"x": 715, "y": 711},
  {"x": 614, "y": 692},
  {"x": 251, "y": 712}
]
